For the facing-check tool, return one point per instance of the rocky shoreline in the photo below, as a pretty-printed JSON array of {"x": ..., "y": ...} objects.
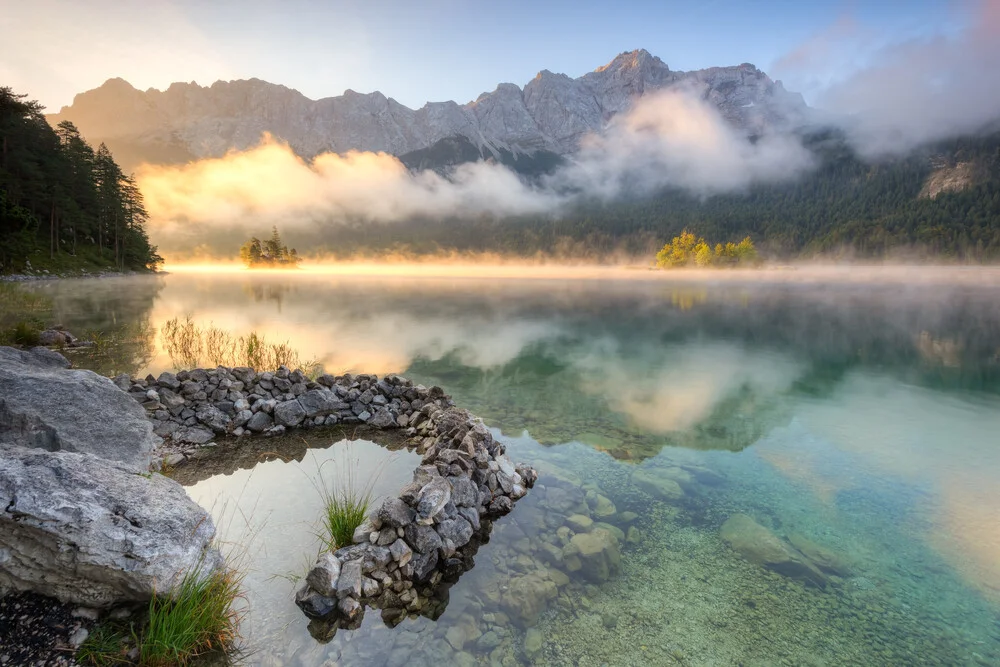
[
  {"x": 411, "y": 543},
  {"x": 45, "y": 275},
  {"x": 70, "y": 449}
]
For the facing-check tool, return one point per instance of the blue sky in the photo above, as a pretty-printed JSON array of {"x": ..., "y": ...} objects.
[{"x": 439, "y": 49}]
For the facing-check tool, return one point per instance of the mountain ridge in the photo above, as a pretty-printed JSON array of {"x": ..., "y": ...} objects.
[{"x": 549, "y": 113}]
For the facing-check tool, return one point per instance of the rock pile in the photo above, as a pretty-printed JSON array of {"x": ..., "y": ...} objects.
[
  {"x": 465, "y": 481},
  {"x": 191, "y": 408},
  {"x": 411, "y": 543}
]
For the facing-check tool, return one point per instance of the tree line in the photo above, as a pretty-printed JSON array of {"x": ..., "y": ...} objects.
[
  {"x": 848, "y": 206},
  {"x": 63, "y": 204}
]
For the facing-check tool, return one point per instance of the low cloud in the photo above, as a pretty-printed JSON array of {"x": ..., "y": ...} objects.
[
  {"x": 677, "y": 139},
  {"x": 667, "y": 139},
  {"x": 895, "y": 96}
]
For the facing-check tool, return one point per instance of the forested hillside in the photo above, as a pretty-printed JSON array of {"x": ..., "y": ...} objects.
[
  {"x": 63, "y": 205},
  {"x": 848, "y": 207}
]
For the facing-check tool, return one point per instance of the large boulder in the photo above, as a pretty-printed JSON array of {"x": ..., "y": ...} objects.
[
  {"x": 759, "y": 545},
  {"x": 95, "y": 532},
  {"x": 46, "y": 406}
]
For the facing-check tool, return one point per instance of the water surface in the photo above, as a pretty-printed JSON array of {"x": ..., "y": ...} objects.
[{"x": 860, "y": 415}]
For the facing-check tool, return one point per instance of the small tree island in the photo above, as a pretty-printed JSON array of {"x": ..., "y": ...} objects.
[
  {"x": 270, "y": 253},
  {"x": 688, "y": 250}
]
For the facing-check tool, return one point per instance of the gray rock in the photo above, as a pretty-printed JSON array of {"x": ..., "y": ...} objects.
[
  {"x": 395, "y": 513},
  {"x": 423, "y": 564},
  {"x": 289, "y": 413},
  {"x": 423, "y": 539},
  {"x": 242, "y": 418},
  {"x": 94, "y": 532},
  {"x": 195, "y": 435},
  {"x": 259, "y": 422},
  {"x": 319, "y": 402},
  {"x": 433, "y": 497},
  {"x": 168, "y": 380},
  {"x": 382, "y": 419},
  {"x": 166, "y": 429},
  {"x": 324, "y": 575},
  {"x": 401, "y": 552},
  {"x": 213, "y": 418},
  {"x": 464, "y": 492},
  {"x": 457, "y": 530},
  {"x": 349, "y": 581},
  {"x": 43, "y": 405},
  {"x": 313, "y": 604}
]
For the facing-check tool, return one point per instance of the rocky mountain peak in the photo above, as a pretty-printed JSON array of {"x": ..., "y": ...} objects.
[
  {"x": 638, "y": 59},
  {"x": 552, "y": 112}
]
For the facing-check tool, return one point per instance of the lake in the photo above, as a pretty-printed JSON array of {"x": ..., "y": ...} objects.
[{"x": 854, "y": 414}]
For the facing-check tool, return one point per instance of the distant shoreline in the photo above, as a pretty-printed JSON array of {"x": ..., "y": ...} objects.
[{"x": 783, "y": 273}]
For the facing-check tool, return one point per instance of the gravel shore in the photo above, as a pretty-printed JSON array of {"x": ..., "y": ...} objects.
[{"x": 37, "y": 631}]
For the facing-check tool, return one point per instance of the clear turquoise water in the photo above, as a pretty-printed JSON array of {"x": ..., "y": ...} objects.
[{"x": 864, "y": 417}]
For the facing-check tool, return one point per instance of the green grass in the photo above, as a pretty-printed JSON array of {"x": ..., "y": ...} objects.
[
  {"x": 346, "y": 504},
  {"x": 107, "y": 644},
  {"x": 343, "y": 512},
  {"x": 22, "y": 314},
  {"x": 198, "y": 618},
  {"x": 22, "y": 333}
]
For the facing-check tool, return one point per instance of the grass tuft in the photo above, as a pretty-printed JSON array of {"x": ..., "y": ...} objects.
[
  {"x": 107, "y": 644},
  {"x": 190, "y": 345},
  {"x": 196, "y": 619},
  {"x": 346, "y": 504},
  {"x": 25, "y": 333}
]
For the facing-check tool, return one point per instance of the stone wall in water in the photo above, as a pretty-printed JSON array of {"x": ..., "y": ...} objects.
[{"x": 411, "y": 544}]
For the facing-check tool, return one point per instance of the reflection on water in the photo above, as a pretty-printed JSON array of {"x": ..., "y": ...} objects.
[
  {"x": 856, "y": 421},
  {"x": 269, "y": 517}
]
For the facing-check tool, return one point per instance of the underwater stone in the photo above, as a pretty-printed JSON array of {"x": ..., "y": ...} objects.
[
  {"x": 658, "y": 486},
  {"x": 600, "y": 557},
  {"x": 759, "y": 545},
  {"x": 579, "y": 523},
  {"x": 603, "y": 507},
  {"x": 823, "y": 558},
  {"x": 526, "y": 598}
]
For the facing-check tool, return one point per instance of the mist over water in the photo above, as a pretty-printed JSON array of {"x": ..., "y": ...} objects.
[{"x": 855, "y": 410}]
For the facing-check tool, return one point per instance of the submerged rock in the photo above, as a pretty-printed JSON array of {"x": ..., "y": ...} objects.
[
  {"x": 823, "y": 558},
  {"x": 759, "y": 545},
  {"x": 658, "y": 485},
  {"x": 599, "y": 554},
  {"x": 95, "y": 532},
  {"x": 44, "y": 405},
  {"x": 527, "y": 597}
]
